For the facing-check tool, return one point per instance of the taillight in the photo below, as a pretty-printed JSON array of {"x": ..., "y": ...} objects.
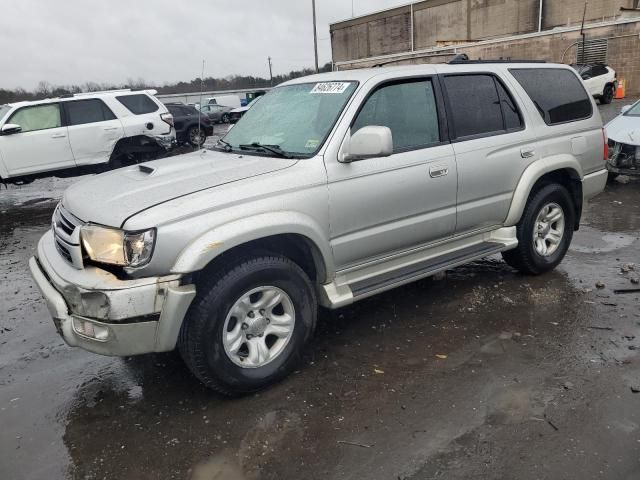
[
  {"x": 605, "y": 150},
  {"x": 167, "y": 118}
]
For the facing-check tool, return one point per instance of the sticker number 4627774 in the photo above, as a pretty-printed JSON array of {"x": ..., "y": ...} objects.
[{"x": 330, "y": 87}]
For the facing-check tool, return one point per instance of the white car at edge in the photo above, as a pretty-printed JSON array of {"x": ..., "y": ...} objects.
[{"x": 88, "y": 130}]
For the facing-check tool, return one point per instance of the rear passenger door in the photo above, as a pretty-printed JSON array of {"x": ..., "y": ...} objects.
[
  {"x": 93, "y": 130},
  {"x": 491, "y": 145},
  {"x": 390, "y": 204}
]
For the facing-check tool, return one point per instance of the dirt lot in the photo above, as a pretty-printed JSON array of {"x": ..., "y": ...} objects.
[{"x": 479, "y": 374}]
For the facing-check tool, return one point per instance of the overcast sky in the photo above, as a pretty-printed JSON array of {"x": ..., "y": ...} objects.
[{"x": 75, "y": 41}]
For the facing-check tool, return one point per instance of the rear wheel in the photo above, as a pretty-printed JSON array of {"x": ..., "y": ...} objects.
[
  {"x": 248, "y": 325},
  {"x": 225, "y": 118},
  {"x": 607, "y": 95},
  {"x": 196, "y": 136},
  {"x": 544, "y": 231}
]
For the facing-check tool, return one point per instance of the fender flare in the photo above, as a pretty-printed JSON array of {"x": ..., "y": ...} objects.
[
  {"x": 201, "y": 251},
  {"x": 531, "y": 175}
]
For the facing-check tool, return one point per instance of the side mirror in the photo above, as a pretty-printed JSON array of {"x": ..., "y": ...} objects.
[
  {"x": 626, "y": 108},
  {"x": 368, "y": 142},
  {"x": 10, "y": 128},
  {"x": 585, "y": 76}
]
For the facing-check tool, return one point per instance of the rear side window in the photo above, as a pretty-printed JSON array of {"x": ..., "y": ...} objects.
[
  {"x": 80, "y": 112},
  {"x": 557, "y": 94},
  {"x": 598, "y": 70},
  {"x": 138, "y": 104},
  {"x": 38, "y": 117},
  {"x": 480, "y": 105},
  {"x": 408, "y": 109}
]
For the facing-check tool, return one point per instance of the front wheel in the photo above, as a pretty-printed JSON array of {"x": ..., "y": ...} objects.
[
  {"x": 544, "y": 231},
  {"x": 248, "y": 325},
  {"x": 225, "y": 118}
]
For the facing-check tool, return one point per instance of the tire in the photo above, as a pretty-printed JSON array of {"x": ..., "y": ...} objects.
[
  {"x": 527, "y": 257},
  {"x": 196, "y": 136},
  {"x": 607, "y": 95},
  {"x": 225, "y": 118},
  {"x": 211, "y": 316}
]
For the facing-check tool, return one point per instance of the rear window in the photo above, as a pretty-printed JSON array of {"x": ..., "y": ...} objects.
[
  {"x": 557, "y": 94},
  {"x": 138, "y": 104}
]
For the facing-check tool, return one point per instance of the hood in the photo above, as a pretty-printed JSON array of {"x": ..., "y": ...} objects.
[
  {"x": 624, "y": 129},
  {"x": 110, "y": 198}
]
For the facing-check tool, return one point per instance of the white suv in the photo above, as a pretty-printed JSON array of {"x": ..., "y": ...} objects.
[
  {"x": 96, "y": 129},
  {"x": 600, "y": 80}
]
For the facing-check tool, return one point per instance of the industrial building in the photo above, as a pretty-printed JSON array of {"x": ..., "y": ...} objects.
[{"x": 432, "y": 31}]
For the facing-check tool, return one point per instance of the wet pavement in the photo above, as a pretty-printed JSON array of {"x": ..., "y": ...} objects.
[{"x": 481, "y": 373}]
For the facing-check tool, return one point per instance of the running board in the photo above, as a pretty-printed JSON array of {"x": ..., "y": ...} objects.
[
  {"x": 408, "y": 274},
  {"x": 358, "y": 282}
]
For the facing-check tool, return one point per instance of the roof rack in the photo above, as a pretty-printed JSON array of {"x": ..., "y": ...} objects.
[
  {"x": 463, "y": 59},
  {"x": 81, "y": 94}
]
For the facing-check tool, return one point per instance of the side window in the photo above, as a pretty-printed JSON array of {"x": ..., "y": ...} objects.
[
  {"x": 512, "y": 118},
  {"x": 475, "y": 105},
  {"x": 80, "y": 112},
  {"x": 38, "y": 117},
  {"x": 558, "y": 94},
  {"x": 138, "y": 104},
  {"x": 408, "y": 109}
]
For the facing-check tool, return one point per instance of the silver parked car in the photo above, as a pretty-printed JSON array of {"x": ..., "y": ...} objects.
[
  {"x": 216, "y": 113},
  {"x": 333, "y": 188}
]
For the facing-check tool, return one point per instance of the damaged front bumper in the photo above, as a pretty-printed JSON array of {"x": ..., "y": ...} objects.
[
  {"x": 623, "y": 158},
  {"x": 94, "y": 310}
]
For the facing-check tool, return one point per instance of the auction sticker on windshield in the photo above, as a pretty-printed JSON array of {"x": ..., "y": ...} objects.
[{"x": 330, "y": 87}]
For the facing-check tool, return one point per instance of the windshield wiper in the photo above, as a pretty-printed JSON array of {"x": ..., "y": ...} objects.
[
  {"x": 227, "y": 145},
  {"x": 275, "y": 149}
]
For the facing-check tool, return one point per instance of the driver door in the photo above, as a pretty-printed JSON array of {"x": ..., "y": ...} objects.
[
  {"x": 41, "y": 145},
  {"x": 380, "y": 206}
]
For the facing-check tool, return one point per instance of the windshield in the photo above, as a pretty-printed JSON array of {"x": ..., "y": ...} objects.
[
  {"x": 296, "y": 118},
  {"x": 634, "y": 111},
  {"x": 4, "y": 109}
]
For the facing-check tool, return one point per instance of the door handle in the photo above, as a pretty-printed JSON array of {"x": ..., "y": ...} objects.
[
  {"x": 110, "y": 128},
  {"x": 527, "y": 152},
  {"x": 58, "y": 135},
  {"x": 438, "y": 171}
]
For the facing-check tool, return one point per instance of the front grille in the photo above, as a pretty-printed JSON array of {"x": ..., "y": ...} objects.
[{"x": 66, "y": 233}]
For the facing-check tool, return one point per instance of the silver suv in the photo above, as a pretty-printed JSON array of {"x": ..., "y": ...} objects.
[{"x": 331, "y": 189}]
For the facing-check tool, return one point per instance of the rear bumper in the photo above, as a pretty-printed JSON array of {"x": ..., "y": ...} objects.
[
  {"x": 594, "y": 183},
  {"x": 139, "y": 316}
]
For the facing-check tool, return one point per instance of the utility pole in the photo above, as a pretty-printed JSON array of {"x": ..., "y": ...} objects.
[
  {"x": 315, "y": 33},
  {"x": 584, "y": 35},
  {"x": 270, "y": 72},
  {"x": 200, "y": 133}
]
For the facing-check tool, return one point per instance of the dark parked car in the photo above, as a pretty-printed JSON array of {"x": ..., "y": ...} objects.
[
  {"x": 216, "y": 113},
  {"x": 185, "y": 120}
]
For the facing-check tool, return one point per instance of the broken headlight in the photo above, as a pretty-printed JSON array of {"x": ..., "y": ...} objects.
[{"x": 118, "y": 247}]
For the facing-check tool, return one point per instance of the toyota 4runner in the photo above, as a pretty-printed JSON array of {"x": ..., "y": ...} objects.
[
  {"x": 331, "y": 189},
  {"x": 90, "y": 131}
]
